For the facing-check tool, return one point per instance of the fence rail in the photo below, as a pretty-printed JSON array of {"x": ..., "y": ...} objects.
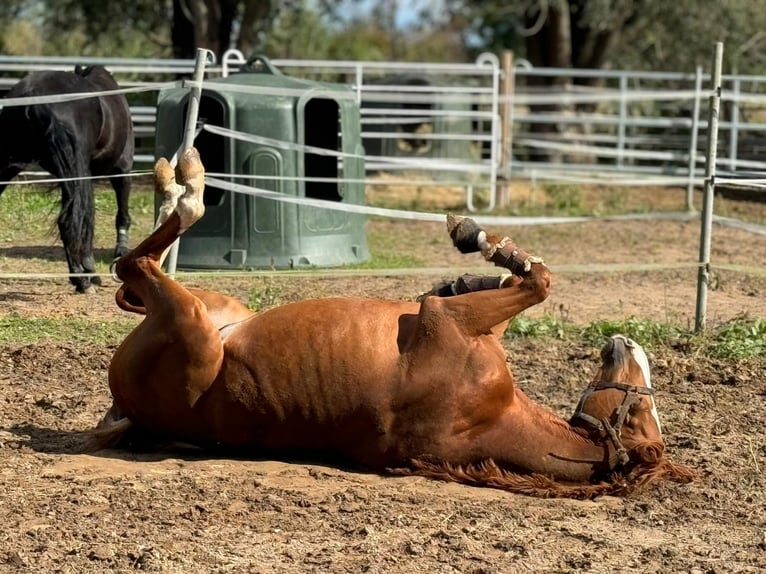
[
  {"x": 592, "y": 126},
  {"x": 599, "y": 122}
]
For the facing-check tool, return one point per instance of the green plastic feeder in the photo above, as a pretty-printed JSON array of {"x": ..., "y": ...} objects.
[{"x": 245, "y": 231}]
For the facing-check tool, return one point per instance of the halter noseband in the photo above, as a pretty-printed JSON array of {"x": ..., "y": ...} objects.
[{"x": 614, "y": 432}]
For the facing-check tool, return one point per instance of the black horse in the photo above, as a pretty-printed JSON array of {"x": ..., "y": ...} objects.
[
  {"x": 73, "y": 139},
  {"x": 411, "y": 125}
]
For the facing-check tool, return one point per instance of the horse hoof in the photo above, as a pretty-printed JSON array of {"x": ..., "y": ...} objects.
[
  {"x": 89, "y": 290},
  {"x": 464, "y": 233},
  {"x": 113, "y": 271}
]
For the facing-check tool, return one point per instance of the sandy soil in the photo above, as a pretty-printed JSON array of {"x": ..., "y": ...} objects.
[{"x": 164, "y": 509}]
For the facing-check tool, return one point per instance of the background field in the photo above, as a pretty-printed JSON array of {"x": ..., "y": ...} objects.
[{"x": 165, "y": 509}]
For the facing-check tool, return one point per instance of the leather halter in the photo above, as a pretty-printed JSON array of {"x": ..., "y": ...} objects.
[{"x": 614, "y": 432}]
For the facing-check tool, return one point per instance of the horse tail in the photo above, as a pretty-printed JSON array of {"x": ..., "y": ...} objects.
[{"x": 66, "y": 160}]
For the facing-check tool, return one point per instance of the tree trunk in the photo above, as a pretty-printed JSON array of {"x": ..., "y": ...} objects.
[
  {"x": 256, "y": 16},
  {"x": 552, "y": 47},
  {"x": 182, "y": 32}
]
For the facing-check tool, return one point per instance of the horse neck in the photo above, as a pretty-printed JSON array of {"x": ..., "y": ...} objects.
[{"x": 556, "y": 448}]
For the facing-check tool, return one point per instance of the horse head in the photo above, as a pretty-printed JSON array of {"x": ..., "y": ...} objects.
[{"x": 619, "y": 404}]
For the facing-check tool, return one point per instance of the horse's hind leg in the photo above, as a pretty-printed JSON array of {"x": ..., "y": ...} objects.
[
  {"x": 109, "y": 430},
  {"x": 122, "y": 221},
  {"x": 169, "y": 361},
  {"x": 182, "y": 205}
]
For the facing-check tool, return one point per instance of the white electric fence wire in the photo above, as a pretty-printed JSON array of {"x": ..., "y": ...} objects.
[
  {"x": 433, "y": 95},
  {"x": 57, "y": 98}
]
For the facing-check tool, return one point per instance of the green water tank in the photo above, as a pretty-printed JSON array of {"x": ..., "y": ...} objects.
[{"x": 246, "y": 231}]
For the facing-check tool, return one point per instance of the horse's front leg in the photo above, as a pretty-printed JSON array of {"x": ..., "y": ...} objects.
[
  {"x": 482, "y": 311},
  {"x": 122, "y": 221}
]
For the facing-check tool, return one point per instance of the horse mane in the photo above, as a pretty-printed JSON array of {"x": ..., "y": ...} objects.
[{"x": 488, "y": 474}]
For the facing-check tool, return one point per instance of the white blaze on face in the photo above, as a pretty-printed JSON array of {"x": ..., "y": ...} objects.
[{"x": 640, "y": 357}]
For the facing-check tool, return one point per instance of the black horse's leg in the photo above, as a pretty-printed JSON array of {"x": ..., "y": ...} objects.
[{"x": 121, "y": 187}]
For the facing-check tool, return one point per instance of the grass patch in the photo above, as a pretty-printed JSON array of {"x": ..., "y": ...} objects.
[
  {"x": 387, "y": 261},
  {"x": 28, "y": 213},
  {"x": 388, "y": 251},
  {"x": 740, "y": 338},
  {"x": 547, "y": 326},
  {"x": 15, "y": 329},
  {"x": 647, "y": 333},
  {"x": 264, "y": 297}
]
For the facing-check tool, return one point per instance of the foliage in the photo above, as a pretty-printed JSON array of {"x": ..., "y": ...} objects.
[
  {"x": 739, "y": 338},
  {"x": 30, "y": 211},
  {"x": 17, "y": 329},
  {"x": 629, "y": 34},
  {"x": 547, "y": 326},
  {"x": 644, "y": 331},
  {"x": 262, "y": 297},
  {"x": 96, "y": 28}
]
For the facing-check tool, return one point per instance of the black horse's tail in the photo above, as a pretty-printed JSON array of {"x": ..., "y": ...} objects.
[{"x": 66, "y": 160}]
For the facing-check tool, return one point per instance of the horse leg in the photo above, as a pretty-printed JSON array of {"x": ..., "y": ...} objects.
[
  {"x": 168, "y": 362},
  {"x": 122, "y": 222},
  {"x": 468, "y": 283},
  {"x": 483, "y": 311},
  {"x": 222, "y": 310}
]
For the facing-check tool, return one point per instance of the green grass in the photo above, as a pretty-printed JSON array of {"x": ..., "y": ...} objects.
[
  {"x": 547, "y": 326},
  {"x": 264, "y": 297},
  {"x": 386, "y": 252},
  {"x": 740, "y": 338},
  {"x": 646, "y": 332},
  {"x": 29, "y": 212},
  {"x": 15, "y": 329}
]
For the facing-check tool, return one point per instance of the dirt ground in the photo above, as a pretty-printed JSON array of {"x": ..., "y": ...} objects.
[{"x": 176, "y": 510}]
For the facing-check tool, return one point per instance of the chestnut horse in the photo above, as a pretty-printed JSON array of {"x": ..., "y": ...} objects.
[{"x": 410, "y": 387}]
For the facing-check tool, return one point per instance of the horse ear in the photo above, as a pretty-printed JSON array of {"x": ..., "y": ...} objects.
[{"x": 78, "y": 69}]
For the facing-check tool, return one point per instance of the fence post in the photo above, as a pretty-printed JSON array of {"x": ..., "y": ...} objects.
[
  {"x": 734, "y": 129},
  {"x": 694, "y": 137},
  {"x": 623, "y": 110},
  {"x": 506, "y": 86},
  {"x": 703, "y": 275},
  {"x": 192, "y": 113}
]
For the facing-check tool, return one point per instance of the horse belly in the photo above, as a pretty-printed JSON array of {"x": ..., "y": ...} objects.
[{"x": 288, "y": 383}]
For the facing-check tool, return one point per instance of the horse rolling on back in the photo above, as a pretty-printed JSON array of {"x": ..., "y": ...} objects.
[
  {"x": 392, "y": 386},
  {"x": 73, "y": 140}
]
